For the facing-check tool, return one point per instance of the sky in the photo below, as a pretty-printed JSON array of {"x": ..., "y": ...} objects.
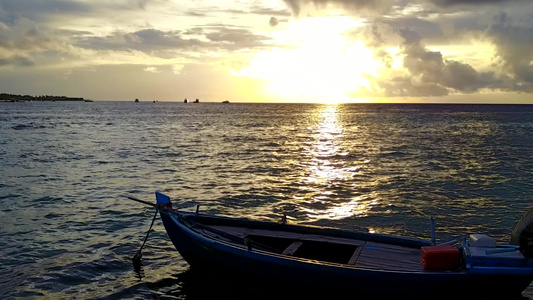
[{"x": 335, "y": 51}]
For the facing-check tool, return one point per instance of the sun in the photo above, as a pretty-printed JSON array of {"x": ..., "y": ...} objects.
[{"x": 318, "y": 63}]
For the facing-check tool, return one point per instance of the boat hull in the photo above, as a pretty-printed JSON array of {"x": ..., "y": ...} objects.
[{"x": 205, "y": 254}]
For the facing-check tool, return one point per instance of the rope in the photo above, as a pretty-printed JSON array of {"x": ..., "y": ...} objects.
[{"x": 139, "y": 254}]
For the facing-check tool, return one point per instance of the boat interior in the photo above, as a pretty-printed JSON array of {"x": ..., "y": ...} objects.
[{"x": 346, "y": 251}]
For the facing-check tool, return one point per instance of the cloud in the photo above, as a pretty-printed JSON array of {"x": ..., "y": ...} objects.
[
  {"x": 270, "y": 12},
  {"x": 428, "y": 73},
  {"x": 142, "y": 3},
  {"x": 24, "y": 34},
  {"x": 273, "y": 21},
  {"x": 236, "y": 38},
  {"x": 424, "y": 29},
  {"x": 152, "y": 70},
  {"x": 447, "y": 3},
  {"x": 506, "y": 27},
  {"x": 430, "y": 68},
  {"x": 17, "y": 61},
  {"x": 369, "y": 6},
  {"x": 22, "y": 41},
  {"x": 147, "y": 40},
  {"x": 48, "y": 32},
  {"x": 405, "y": 86},
  {"x": 513, "y": 38},
  {"x": 150, "y": 40},
  {"x": 40, "y": 11}
]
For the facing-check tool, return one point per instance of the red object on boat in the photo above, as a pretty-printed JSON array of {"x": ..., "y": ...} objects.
[{"x": 445, "y": 257}]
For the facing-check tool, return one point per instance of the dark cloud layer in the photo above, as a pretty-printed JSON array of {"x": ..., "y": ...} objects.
[
  {"x": 24, "y": 26},
  {"x": 446, "y": 3},
  {"x": 144, "y": 40},
  {"x": 42, "y": 10},
  {"x": 389, "y": 6},
  {"x": 27, "y": 37},
  {"x": 150, "y": 40},
  {"x": 17, "y": 61},
  {"x": 514, "y": 42},
  {"x": 296, "y": 6},
  {"x": 236, "y": 38}
]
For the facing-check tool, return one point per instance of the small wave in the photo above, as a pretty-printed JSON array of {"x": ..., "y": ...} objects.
[
  {"x": 53, "y": 215},
  {"x": 9, "y": 196},
  {"x": 47, "y": 200},
  {"x": 167, "y": 171},
  {"x": 172, "y": 154},
  {"x": 31, "y": 125}
]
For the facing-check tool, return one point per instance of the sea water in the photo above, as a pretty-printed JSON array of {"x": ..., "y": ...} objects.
[{"x": 68, "y": 231}]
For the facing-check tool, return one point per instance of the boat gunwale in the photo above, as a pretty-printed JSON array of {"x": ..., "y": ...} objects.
[{"x": 305, "y": 229}]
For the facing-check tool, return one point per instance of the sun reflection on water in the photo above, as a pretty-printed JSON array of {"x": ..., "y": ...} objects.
[
  {"x": 357, "y": 206},
  {"x": 326, "y": 145},
  {"x": 328, "y": 173}
]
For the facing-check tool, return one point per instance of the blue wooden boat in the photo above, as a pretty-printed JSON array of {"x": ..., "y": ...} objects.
[{"x": 312, "y": 258}]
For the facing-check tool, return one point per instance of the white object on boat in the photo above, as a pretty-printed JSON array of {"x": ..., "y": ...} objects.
[{"x": 481, "y": 240}]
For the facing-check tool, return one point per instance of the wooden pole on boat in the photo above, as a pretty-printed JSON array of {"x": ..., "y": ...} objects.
[{"x": 140, "y": 201}]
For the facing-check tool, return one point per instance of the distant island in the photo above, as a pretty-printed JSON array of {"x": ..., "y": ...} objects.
[{"x": 19, "y": 98}]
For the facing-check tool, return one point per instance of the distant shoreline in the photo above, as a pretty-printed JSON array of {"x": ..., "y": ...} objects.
[{"x": 22, "y": 98}]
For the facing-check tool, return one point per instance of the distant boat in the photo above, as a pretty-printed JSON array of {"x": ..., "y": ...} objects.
[
  {"x": 196, "y": 101},
  {"x": 225, "y": 101},
  {"x": 185, "y": 101},
  {"x": 136, "y": 100},
  {"x": 87, "y": 100}
]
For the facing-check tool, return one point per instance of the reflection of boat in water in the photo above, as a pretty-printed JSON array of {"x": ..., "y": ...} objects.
[
  {"x": 225, "y": 101},
  {"x": 311, "y": 257}
]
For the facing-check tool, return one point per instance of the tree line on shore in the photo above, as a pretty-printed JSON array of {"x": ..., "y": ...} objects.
[{"x": 13, "y": 97}]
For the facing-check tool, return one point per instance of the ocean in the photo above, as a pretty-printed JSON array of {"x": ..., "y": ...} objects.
[{"x": 69, "y": 231}]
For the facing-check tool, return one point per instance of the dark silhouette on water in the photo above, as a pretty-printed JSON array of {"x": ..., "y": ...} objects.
[{"x": 22, "y": 98}]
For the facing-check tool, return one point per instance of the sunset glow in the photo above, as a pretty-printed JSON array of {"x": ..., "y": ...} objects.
[
  {"x": 326, "y": 51},
  {"x": 322, "y": 66}
]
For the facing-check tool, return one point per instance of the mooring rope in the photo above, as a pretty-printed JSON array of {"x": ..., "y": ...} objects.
[{"x": 137, "y": 257}]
